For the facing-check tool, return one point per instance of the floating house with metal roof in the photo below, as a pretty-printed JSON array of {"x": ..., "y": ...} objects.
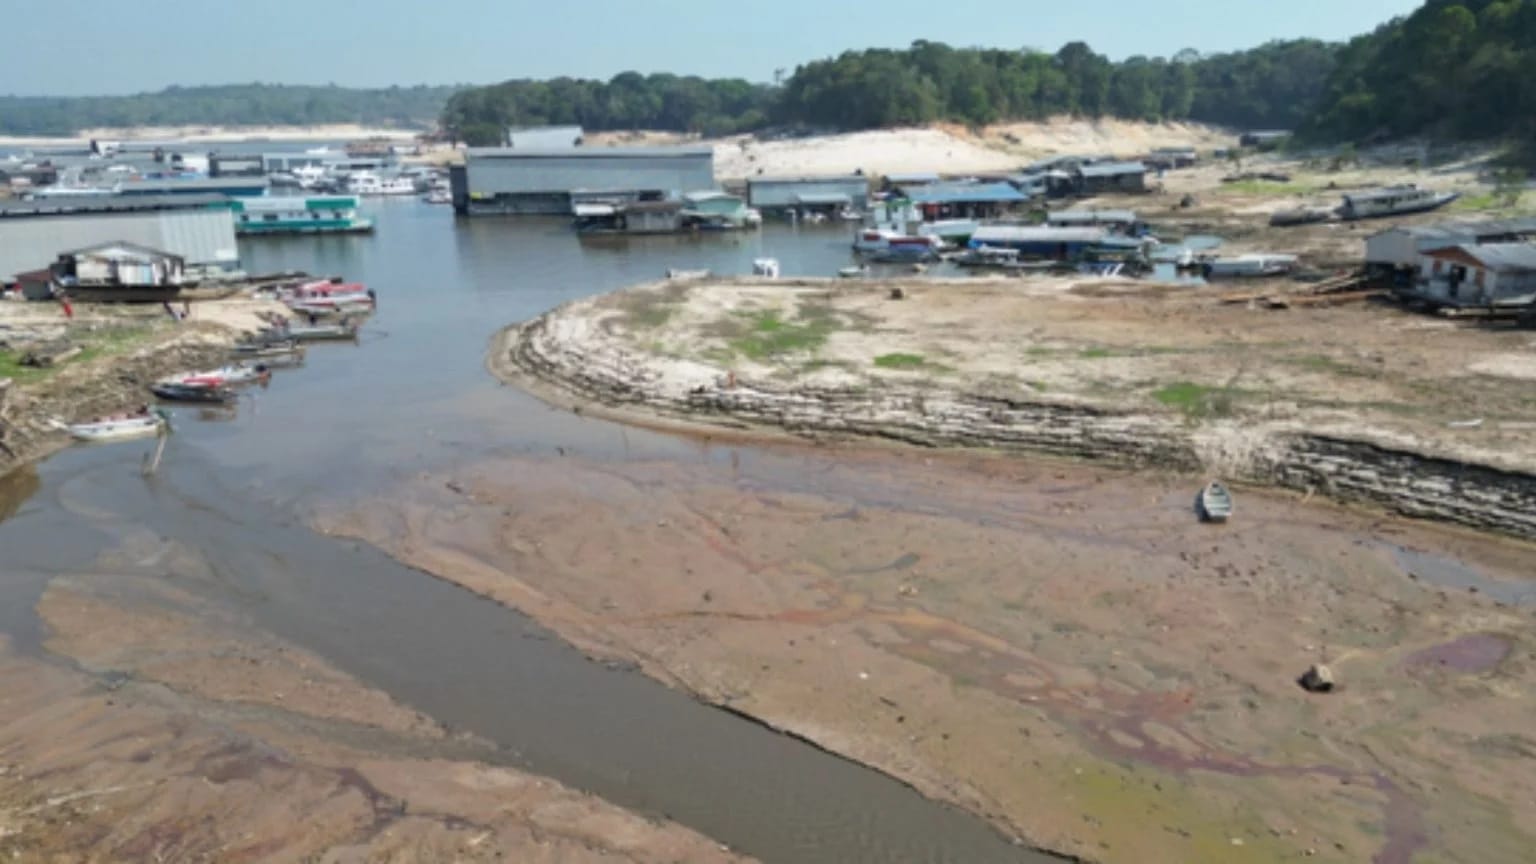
[
  {"x": 199, "y": 229},
  {"x": 511, "y": 181},
  {"x": 1118, "y": 221},
  {"x": 1492, "y": 274},
  {"x": 810, "y": 194},
  {"x": 1102, "y": 178},
  {"x": 963, "y": 200},
  {"x": 1401, "y": 247}
]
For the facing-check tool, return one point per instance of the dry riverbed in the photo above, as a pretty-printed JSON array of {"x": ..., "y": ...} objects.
[
  {"x": 177, "y": 731},
  {"x": 1061, "y": 648}
]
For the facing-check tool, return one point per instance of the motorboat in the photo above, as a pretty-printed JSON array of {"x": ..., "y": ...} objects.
[
  {"x": 884, "y": 244},
  {"x": 144, "y": 424},
  {"x": 224, "y": 376},
  {"x": 438, "y": 196},
  {"x": 341, "y": 330},
  {"x": 369, "y": 183},
  {"x": 174, "y": 392}
]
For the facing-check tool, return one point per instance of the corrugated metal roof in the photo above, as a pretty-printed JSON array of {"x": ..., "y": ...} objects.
[
  {"x": 1112, "y": 169},
  {"x": 108, "y": 204},
  {"x": 823, "y": 198},
  {"x": 831, "y": 178},
  {"x": 1500, "y": 256},
  {"x": 1466, "y": 228},
  {"x": 1035, "y": 234},
  {"x": 913, "y": 178},
  {"x": 587, "y": 152},
  {"x": 955, "y": 193}
]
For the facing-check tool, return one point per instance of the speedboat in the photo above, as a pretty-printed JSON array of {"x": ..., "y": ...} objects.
[
  {"x": 224, "y": 376},
  {"x": 144, "y": 424}
]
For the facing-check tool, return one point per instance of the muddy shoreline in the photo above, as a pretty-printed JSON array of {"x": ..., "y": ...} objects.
[{"x": 586, "y": 368}]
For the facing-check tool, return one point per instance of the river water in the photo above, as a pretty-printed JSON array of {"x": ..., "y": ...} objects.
[{"x": 413, "y": 396}]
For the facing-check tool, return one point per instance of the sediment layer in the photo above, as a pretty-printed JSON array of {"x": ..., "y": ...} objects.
[{"x": 558, "y": 354}]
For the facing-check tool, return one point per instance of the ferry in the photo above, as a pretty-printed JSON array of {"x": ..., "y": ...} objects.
[
  {"x": 1393, "y": 201},
  {"x": 332, "y": 214}
]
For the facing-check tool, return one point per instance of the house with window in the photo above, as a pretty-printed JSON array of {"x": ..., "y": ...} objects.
[
  {"x": 1105, "y": 178},
  {"x": 1492, "y": 274},
  {"x": 119, "y": 265}
]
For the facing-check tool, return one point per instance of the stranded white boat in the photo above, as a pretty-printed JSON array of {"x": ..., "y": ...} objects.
[
  {"x": 1393, "y": 201},
  {"x": 1249, "y": 266},
  {"x": 145, "y": 424}
]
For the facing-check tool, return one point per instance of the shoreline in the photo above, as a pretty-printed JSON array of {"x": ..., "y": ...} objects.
[
  {"x": 604, "y": 378},
  {"x": 211, "y": 134}
]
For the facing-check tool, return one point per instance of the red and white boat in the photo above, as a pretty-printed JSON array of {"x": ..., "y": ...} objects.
[
  {"x": 224, "y": 376},
  {"x": 883, "y": 243},
  {"x": 327, "y": 297}
]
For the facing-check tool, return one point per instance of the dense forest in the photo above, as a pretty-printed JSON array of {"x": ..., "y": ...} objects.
[
  {"x": 226, "y": 105},
  {"x": 1273, "y": 86},
  {"x": 1453, "y": 69},
  {"x": 629, "y": 101}
]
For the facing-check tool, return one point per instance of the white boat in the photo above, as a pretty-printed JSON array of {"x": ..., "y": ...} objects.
[
  {"x": 309, "y": 176},
  {"x": 438, "y": 196},
  {"x": 146, "y": 424},
  {"x": 766, "y": 267},
  {"x": 224, "y": 376},
  {"x": 1393, "y": 201},
  {"x": 369, "y": 183},
  {"x": 853, "y": 272},
  {"x": 1249, "y": 266},
  {"x": 893, "y": 245},
  {"x": 1215, "y": 502}
]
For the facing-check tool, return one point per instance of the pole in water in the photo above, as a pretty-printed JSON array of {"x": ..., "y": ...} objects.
[{"x": 151, "y": 465}]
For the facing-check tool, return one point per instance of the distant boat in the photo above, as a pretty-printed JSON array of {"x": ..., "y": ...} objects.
[
  {"x": 144, "y": 424},
  {"x": 854, "y": 272},
  {"x": 1249, "y": 266},
  {"x": 1393, "y": 201},
  {"x": 321, "y": 332},
  {"x": 224, "y": 376},
  {"x": 880, "y": 244},
  {"x": 1215, "y": 504}
]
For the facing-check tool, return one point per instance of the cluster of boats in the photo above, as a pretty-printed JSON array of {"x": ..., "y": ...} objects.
[{"x": 430, "y": 183}]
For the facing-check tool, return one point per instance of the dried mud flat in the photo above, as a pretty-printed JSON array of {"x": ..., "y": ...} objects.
[
  {"x": 163, "y": 729},
  {"x": 1061, "y": 649}
]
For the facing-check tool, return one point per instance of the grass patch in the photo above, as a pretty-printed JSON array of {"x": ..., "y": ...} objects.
[
  {"x": 1197, "y": 400},
  {"x": 1095, "y": 353},
  {"x": 900, "y": 361},
  {"x": 769, "y": 335},
  {"x": 93, "y": 345},
  {"x": 10, "y": 367}
]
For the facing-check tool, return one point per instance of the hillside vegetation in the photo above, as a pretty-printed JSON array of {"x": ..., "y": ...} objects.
[{"x": 226, "y": 105}]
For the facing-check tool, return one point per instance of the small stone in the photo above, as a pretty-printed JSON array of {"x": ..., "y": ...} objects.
[{"x": 1237, "y": 841}]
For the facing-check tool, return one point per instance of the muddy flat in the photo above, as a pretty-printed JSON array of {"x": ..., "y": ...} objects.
[{"x": 1062, "y": 649}]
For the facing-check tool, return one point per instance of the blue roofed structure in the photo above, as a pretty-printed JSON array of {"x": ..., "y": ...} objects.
[{"x": 964, "y": 200}]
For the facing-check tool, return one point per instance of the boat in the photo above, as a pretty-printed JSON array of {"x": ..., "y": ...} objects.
[
  {"x": 1393, "y": 201},
  {"x": 369, "y": 183},
  {"x": 1249, "y": 266},
  {"x": 341, "y": 330},
  {"x": 882, "y": 244},
  {"x": 853, "y": 272},
  {"x": 955, "y": 232},
  {"x": 265, "y": 347},
  {"x": 1215, "y": 502},
  {"x": 172, "y": 392},
  {"x": 144, "y": 424},
  {"x": 1299, "y": 216},
  {"x": 675, "y": 274},
  {"x": 995, "y": 258},
  {"x": 224, "y": 376},
  {"x": 849, "y": 214},
  {"x": 277, "y": 356},
  {"x": 766, "y": 267},
  {"x": 438, "y": 196}
]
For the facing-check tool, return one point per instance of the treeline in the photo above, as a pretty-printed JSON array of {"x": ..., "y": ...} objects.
[
  {"x": 1272, "y": 86},
  {"x": 1454, "y": 69},
  {"x": 629, "y": 101},
  {"x": 226, "y": 105}
]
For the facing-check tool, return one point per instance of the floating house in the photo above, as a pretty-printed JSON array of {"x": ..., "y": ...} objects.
[
  {"x": 199, "y": 229},
  {"x": 717, "y": 211},
  {"x": 1117, "y": 221},
  {"x": 234, "y": 187},
  {"x": 1492, "y": 274},
  {"x": 825, "y": 195},
  {"x": 322, "y": 214},
  {"x": 543, "y": 137},
  {"x": 508, "y": 181},
  {"x": 1169, "y": 158},
  {"x": 963, "y": 200},
  {"x": 1401, "y": 248},
  {"x": 235, "y": 165},
  {"x": 632, "y": 217},
  {"x": 28, "y": 175},
  {"x": 1103, "y": 178},
  {"x": 1263, "y": 139},
  {"x": 1047, "y": 183},
  {"x": 119, "y": 265}
]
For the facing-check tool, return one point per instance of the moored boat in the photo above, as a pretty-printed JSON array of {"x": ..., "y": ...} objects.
[
  {"x": 341, "y": 330},
  {"x": 1393, "y": 201},
  {"x": 224, "y": 376},
  {"x": 1215, "y": 502},
  {"x": 1249, "y": 266},
  {"x": 880, "y": 244},
  {"x": 173, "y": 392},
  {"x": 144, "y": 424}
]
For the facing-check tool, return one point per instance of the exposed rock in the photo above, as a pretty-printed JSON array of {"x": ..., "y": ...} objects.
[{"x": 1317, "y": 679}]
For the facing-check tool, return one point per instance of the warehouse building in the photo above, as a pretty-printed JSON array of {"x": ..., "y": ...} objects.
[
  {"x": 200, "y": 230},
  {"x": 808, "y": 194},
  {"x": 507, "y": 181}
]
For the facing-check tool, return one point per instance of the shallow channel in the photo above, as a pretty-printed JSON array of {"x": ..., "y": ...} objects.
[{"x": 413, "y": 397}]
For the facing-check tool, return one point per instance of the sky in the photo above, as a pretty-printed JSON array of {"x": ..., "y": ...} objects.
[{"x": 80, "y": 47}]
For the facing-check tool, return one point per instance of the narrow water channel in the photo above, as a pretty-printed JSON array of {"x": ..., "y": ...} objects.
[{"x": 413, "y": 397}]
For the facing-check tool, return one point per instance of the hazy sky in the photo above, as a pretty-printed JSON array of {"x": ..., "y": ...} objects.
[{"x": 70, "y": 47}]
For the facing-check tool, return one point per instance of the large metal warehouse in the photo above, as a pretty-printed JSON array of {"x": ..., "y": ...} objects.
[
  {"x": 197, "y": 228},
  {"x": 501, "y": 180},
  {"x": 792, "y": 193}
]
